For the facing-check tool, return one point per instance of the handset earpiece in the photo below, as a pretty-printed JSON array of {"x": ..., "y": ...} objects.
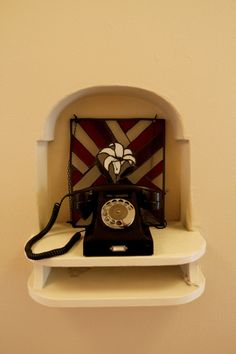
[
  {"x": 83, "y": 201},
  {"x": 150, "y": 199}
]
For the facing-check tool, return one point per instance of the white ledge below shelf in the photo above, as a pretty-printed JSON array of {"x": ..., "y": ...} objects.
[{"x": 171, "y": 276}]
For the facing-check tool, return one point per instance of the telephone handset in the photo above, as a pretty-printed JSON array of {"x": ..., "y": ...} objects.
[{"x": 116, "y": 207}]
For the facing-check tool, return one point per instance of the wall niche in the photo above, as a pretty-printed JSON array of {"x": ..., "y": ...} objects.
[
  {"x": 169, "y": 276},
  {"x": 112, "y": 102}
]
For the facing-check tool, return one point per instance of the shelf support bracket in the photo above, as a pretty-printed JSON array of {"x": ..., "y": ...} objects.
[
  {"x": 192, "y": 273},
  {"x": 40, "y": 276}
]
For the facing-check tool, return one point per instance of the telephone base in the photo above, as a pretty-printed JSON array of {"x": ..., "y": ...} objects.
[{"x": 138, "y": 245}]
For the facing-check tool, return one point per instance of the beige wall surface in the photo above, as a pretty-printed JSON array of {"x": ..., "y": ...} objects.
[{"x": 185, "y": 52}]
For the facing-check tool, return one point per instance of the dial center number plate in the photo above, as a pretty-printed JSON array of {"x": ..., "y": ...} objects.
[{"x": 118, "y": 213}]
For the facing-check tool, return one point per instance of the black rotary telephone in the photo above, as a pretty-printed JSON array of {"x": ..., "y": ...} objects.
[
  {"x": 121, "y": 216},
  {"x": 119, "y": 212}
]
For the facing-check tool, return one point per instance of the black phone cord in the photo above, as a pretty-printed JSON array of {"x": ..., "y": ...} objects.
[{"x": 54, "y": 252}]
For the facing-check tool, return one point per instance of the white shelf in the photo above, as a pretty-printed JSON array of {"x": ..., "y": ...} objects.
[
  {"x": 170, "y": 276},
  {"x": 172, "y": 245},
  {"x": 106, "y": 287}
]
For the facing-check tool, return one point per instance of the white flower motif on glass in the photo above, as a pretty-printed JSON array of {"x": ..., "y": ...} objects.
[{"x": 117, "y": 160}]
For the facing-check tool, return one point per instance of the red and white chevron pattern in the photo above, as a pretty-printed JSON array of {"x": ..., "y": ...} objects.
[{"x": 144, "y": 137}]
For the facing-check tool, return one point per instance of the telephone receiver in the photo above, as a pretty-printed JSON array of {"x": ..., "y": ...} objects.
[
  {"x": 117, "y": 226},
  {"x": 117, "y": 196}
]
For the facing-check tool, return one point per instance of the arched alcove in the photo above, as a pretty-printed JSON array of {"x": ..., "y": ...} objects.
[
  {"x": 171, "y": 275},
  {"x": 112, "y": 102}
]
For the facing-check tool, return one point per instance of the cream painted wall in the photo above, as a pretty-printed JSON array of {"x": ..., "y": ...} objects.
[{"x": 185, "y": 52}]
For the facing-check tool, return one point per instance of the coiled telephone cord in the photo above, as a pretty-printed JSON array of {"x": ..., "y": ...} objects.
[{"x": 54, "y": 252}]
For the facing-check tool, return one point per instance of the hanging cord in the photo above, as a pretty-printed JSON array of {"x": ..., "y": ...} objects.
[{"x": 54, "y": 252}]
